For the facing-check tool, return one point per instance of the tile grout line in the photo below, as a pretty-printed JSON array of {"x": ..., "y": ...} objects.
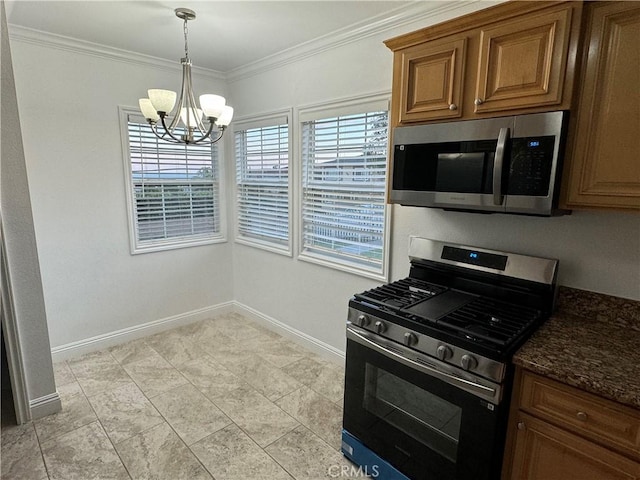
[
  {"x": 34, "y": 423},
  {"x": 160, "y": 413},
  {"x": 44, "y": 463},
  {"x": 100, "y": 422}
]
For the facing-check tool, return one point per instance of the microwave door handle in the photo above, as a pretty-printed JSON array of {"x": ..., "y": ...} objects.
[{"x": 498, "y": 165}]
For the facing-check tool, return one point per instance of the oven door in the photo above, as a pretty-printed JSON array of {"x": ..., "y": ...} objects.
[{"x": 419, "y": 416}]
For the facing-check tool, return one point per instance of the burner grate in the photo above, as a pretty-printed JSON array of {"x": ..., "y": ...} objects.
[
  {"x": 490, "y": 321},
  {"x": 400, "y": 294}
]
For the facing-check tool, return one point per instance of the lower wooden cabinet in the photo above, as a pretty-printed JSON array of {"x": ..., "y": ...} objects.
[
  {"x": 557, "y": 432},
  {"x": 545, "y": 452}
]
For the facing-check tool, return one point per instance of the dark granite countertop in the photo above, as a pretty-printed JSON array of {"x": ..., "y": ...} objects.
[{"x": 592, "y": 342}]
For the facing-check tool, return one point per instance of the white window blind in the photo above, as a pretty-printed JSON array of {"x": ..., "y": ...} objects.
[
  {"x": 262, "y": 183},
  {"x": 343, "y": 188},
  {"x": 175, "y": 190}
]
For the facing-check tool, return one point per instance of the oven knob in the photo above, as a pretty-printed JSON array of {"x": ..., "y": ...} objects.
[
  {"x": 380, "y": 327},
  {"x": 362, "y": 321},
  {"x": 410, "y": 339},
  {"x": 443, "y": 352},
  {"x": 468, "y": 362}
]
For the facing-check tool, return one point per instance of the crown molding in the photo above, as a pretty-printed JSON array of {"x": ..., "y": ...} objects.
[
  {"x": 38, "y": 37},
  {"x": 397, "y": 18}
]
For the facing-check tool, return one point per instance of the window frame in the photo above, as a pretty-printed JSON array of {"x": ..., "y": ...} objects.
[
  {"x": 351, "y": 106},
  {"x": 135, "y": 244},
  {"x": 270, "y": 119}
]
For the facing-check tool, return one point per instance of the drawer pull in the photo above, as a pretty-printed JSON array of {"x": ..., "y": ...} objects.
[
  {"x": 521, "y": 426},
  {"x": 581, "y": 416}
]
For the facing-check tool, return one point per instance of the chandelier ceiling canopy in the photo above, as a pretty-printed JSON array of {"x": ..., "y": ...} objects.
[{"x": 194, "y": 128}]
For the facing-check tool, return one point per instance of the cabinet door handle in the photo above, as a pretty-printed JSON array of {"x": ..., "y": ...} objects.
[
  {"x": 581, "y": 416},
  {"x": 521, "y": 426},
  {"x": 478, "y": 101},
  {"x": 453, "y": 106}
]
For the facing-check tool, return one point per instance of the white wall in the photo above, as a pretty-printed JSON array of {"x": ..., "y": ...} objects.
[
  {"x": 597, "y": 251},
  {"x": 25, "y": 325},
  {"x": 92, "y": 284}
]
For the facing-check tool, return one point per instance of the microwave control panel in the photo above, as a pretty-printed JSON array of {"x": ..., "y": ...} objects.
[{"x": 530, "y": 167}]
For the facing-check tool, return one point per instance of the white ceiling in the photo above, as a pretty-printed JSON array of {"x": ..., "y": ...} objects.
[{"x": 226, "y": 35}]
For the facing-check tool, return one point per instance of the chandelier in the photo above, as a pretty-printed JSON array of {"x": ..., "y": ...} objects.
[{"x": 193, "y": 129}]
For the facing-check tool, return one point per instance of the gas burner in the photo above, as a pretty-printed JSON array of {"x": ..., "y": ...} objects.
[
  {"x": 400, "y": 294},
  {"x": 475, "y": 328},
  {"x": 502, "y": 325}
]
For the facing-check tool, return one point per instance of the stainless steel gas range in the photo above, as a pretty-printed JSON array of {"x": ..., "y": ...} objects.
[{"x": 428, "y": 372}]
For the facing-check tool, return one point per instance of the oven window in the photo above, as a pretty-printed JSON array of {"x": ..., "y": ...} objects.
[{"x": 427, "y": 418}]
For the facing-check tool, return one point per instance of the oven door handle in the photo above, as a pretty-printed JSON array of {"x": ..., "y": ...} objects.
[{"x": 488, "y": 393}]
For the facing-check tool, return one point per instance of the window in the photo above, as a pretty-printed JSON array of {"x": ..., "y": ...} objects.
[
  {"x": 262, "y": 183},
  {"x": 344, "y": 157},
  {"x": 173, "y": 189}
]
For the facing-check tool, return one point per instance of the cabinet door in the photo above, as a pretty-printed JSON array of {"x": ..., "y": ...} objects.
[
  {"x": 591, "y": 417},
  {"x": 431, "y": 84},
  {"x": 605, "y": 160},
  {"x": 522, "y": 63},
  {"x": 545, "y": 452}
]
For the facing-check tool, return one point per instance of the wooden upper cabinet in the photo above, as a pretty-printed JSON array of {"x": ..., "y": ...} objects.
[
  {"x": 605, "y": 135},
  {"x": 522, "y": 62},
  {"x": 516, "y": 57},
  {"x": 432, "y": 80}
]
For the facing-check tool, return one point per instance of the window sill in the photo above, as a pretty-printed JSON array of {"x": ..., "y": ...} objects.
[
  {"x": 173, "y": 245},
  {"x": 381, "y": 274},
  {"x": 269, "y": 247}
]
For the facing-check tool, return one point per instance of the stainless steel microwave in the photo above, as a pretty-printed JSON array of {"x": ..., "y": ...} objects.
[{"x": 495, "y": 165}]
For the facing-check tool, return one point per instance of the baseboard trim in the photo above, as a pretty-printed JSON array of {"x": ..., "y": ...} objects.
[
  {"x": 99, "y": 342},
  {"x": 317, "y": 346},
  {"x": 45, "y": 405}
]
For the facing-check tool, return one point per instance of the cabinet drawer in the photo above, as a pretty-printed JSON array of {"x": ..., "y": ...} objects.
[{"x": 594, "y": 418}]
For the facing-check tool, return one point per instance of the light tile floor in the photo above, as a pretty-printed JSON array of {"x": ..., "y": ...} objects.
[{"x": 222, "y": 399}]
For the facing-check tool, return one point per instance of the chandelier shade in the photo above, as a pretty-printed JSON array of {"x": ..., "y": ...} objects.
[
  {"x": 212, "y": 105},
  {"x": 204, "y": 123},
  {"x": 162, "y": 100}
]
